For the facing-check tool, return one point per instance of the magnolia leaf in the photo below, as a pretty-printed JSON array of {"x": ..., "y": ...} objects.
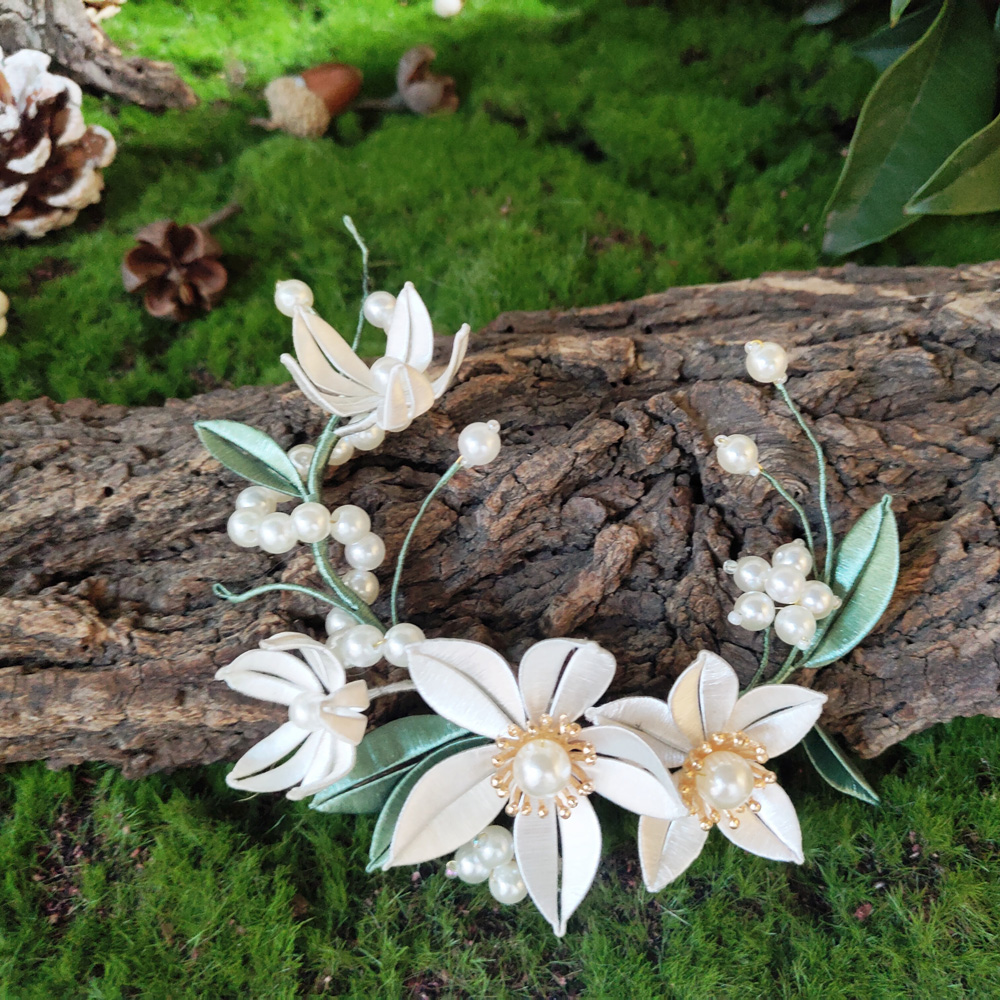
[
  {"x": 864, "y": 578},
  {"x": 896, "y": 10},
  {"x": 835, "y": 768},
  {"x": 386, "y": 823},
  {"x": 923, "y": 106},
  {"x": 250, "y": 453},
  {"x": 967, "y": 182},
  {"x": 384, "y": 757},
  {"x": 884, "y": 46}
]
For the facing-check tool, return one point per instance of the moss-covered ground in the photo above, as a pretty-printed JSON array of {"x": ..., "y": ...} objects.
[{"x": 603, "y": 150}]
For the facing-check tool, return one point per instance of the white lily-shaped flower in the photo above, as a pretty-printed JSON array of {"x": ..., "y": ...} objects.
[
  {"x": 720, "y": 743},
  {"x": 325, "y": 716},
  {"x": 390, "y": 394},
  {"x": 542, "y": 766}
]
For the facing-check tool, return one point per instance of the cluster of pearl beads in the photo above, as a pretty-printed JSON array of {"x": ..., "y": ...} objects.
[
  {"x": 782, "y": 581},
  {"x": 364, "y": 645},
  {"x": 490, "y": 856}
]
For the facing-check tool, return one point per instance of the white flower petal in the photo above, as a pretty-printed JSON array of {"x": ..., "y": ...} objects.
[
  {"x": 635, "y": 789},
  {"x": 702, "y": 699},
  {"x": 458, "y": 349},
  {"x": 342, "y": 406},
  {"x": 564, "y": 677},
  {"x": 270, "y": 676},
  {"x": 410, "y": 337},
  {"x": 353, "y": 695},
  {"x": 651, "y": 721},
  {"x": 408, "y": 394},
  {"x": 452, "y": 803},
  {"x": 310, "y": 326},
  {"x": 772, "y": 833},
  {"x": 268, "y": 751},
  {"x": 275, "y": 779},
  {"x": 667, "y": 848},
  {"x": 468, "y": 683},
  {"x": 777, "y": 715},
  {"x": 616, "y": 741},
  {"x": 536, "y": 848},
  {"x": 334, "y": 758},
  {"x": 320, "y": 657},
  {"x": 580, "y": 846}
]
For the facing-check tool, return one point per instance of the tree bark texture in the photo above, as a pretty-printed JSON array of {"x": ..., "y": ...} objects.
[
  {"x": 604, "y": 517},
  {"x": 83, "y": 52}
]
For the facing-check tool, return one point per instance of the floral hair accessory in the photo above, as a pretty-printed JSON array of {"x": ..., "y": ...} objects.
[{"x": 494, "y": 776}]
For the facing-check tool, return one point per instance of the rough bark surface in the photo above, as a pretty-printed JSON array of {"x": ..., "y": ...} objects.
[
  {"x": 83, "y": 52},
  {"x": 605, "y": 515}
]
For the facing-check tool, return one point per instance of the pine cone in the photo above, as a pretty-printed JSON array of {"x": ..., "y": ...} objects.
[
  {"x": 50, "y": 161},
  {"x": 177, "y": 269}
]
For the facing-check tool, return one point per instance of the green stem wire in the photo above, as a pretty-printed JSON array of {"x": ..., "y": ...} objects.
[
  {"x": 821, "y": 464},
  {"x": 764, "y": 657},
  {"x": 788, "y": 667},
  {"x": 401, "y": 558},
  {"x": 220, "y": 590},
  {"x": 793, "y": 503},
  {"x": 352, "y": 229}
]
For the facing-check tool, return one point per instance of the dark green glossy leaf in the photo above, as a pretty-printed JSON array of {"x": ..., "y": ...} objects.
[
  {"x": 896, "y": 10},
  {"x": 825, "y": 11},
  {"x": 864, "y": 578},
  {"x": 250, "y": 453},
  {"x": 884, "y": 46},
  {"x": 921, "y": 109},
  {"x": 836, "y": 768},
  {"x": 384, "y": 757},
  {"x": 386, "y": 825},
  {"x": 969, "y": 180}
]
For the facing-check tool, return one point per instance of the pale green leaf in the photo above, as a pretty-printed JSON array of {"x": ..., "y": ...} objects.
[
  {"x": 924, "y": 106},
  {"x": 250, "y": 453},
  {"x": 969, "y": 180},
  {"x": 384, "y": 757},
  {"x": 864, "y": 578},
  {"x": 835, "y": 767},
  {"x": 888, "y": 43},
  {"x": 896, "y": 10}
]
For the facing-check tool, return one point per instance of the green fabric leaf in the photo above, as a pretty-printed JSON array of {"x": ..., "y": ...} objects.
[
  {"x": 864, "y": 578},
  {"x": 836, "y": 768},
  {"x": 386, "y": 824},
  {"x": 825, "y": 11},
  {"x": 896, "y": 10},
  {"x": 921, "y": 109},
  {"x": 969, "y": 180},
  {"x": 384, "y": 757},
  {"x": 250, "y": 453},
  {"x": 884, "y": 46}
]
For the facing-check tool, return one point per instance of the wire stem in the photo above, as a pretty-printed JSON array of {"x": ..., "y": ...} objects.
[
  {"x": 346, "y": 597},
  {"x": 401, "y": 558},
  {"x": 353, "y": 230},
  {"x": 321, "y": 458},
  {"x": 796, "y": 506},
  {"x": 220, "y": 590},
  {"x": 821, "y": 464},
  {"x": 788, "y": 667},
  {"x": 397, "y": 688},
  {"x": 764, "y": 657}
]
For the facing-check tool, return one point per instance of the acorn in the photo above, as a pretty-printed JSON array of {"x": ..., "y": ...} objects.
[{"x": 305, "y": 104}]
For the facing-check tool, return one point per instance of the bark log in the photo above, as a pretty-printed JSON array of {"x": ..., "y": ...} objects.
[
  {"x": 605, "y": 515},
  {"x": 83, "y": 52}
]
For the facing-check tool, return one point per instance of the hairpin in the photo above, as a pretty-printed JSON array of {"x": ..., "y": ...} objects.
[{"x": 495, "y": 777}]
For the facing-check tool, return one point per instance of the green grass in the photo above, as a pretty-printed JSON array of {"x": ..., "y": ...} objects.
[{"x": 602, "y": 151}]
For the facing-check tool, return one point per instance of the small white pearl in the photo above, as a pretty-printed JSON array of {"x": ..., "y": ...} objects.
[
  {"x": 785, "y": 584},
  {"x": 259, "y": 498},
  {"x": 506, "y": 884},
  {"x": 448, "y": 8},
  {"x": 818, "y": 599},
  {"x": 311, "y": 521},
  {"x": 398, "y": 639},
  {"x": 335, "y": 643},
  {"x": 748, "y": 572},
  {"x": 276, "y": 534},
  {"x": 380, "y": 371},
  {"x": 737, "y": 453},
  {"x": 290, "y": 294},
  {"x": 337, "y": 619},
  {"x": 301, "y": 457},
  {"x": 244, "y": 526},
  {"x": 542, "y": 767},
  {"x": 766, "y": 361},
  {"x": 469, "y": 867},
  {"x": 379, "y": 309},
  {"x": 495, "y": 846},
  {"x": 795, "y": 625},
  {"x": 479, "y": 444},
  {"x": 363, "y": 583},
  {"x": 725, "y": 780},
  {"x": 343, "y": 452},
  {"x": 753, "y": 611},
  {"x": 305, "y": 711},
  {"x": 793, "y": 554},
  {"x": 368, "y": 440},
  {"x": 349, "y": 523},
  {"x": 365, "y": 553},
  {"x": 362, "y": 646}
]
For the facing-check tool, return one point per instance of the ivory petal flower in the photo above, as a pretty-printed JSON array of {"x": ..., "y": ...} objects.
[
  {"x": 542, "y": 766},
  {"x": 720, "y": 742},
  {"x": 390, "y": 394},
  {"x": 325, "y": 716}
]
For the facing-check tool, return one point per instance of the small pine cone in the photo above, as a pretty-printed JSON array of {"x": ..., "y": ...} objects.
[
  {"x": 50, "y": 161},
  {"x": 177, "y": 269}
]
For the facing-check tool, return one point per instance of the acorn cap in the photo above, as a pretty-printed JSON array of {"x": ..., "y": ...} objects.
[{"x": 295, "y": 108}]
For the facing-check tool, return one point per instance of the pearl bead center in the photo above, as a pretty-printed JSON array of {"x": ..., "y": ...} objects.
[
  {"x": 725, "y": 780},
  {"x": 542, "y": 767}
]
